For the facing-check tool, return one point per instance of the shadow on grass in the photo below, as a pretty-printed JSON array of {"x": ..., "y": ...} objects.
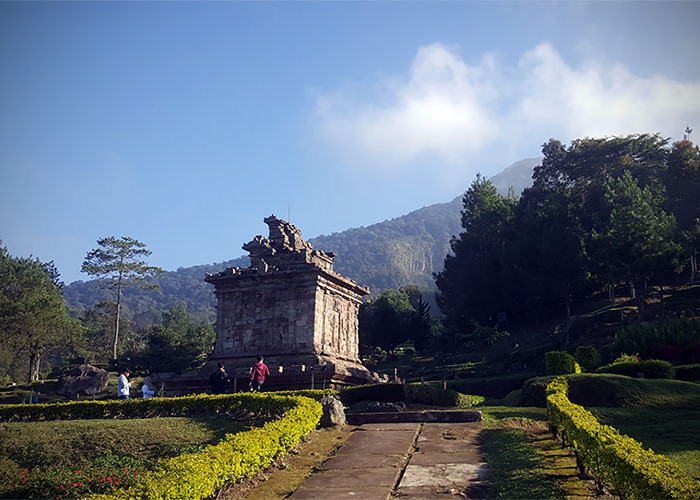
[{"x": 516, "y": 467}]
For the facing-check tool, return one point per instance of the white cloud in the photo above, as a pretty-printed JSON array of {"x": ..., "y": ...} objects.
[
  {"x": 440, "y": 110},
  {"x": 449, "y": 111},
  {"x": 597, "y": 100}
]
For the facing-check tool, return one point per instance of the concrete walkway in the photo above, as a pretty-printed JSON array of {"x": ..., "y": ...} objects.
[{"x": 420, "y": 461}]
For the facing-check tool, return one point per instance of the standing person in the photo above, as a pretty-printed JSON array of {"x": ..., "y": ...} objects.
[
  {"x": 258, "y": 374},
  {"x": 148, "y": 389},
  {"x": 218, "y": 379},
  {"x": 123, "y": 384}
]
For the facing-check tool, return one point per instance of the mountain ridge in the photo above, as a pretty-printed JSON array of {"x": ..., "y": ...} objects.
[{"x": 404, "y": 250}]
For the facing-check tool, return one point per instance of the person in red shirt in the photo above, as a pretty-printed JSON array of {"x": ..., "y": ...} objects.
[{"x": 258, "y": 374}]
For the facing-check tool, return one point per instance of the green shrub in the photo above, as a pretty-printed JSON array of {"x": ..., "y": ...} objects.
[
  {"x": 559, "y": 363},
  {"x": 626, "y": 358},
  {"x": 375, "y": 392},
  {"x": 588, "y": 357},
  {"x": 653, "y": 368},
  {"x": 143, "y": 408},
  {"x": 609, "y": 390},
  {"x": 436, "y": 396},
  {"x": 688, "y": 372},
  {"x": 644, "y": 338},
  {"x": 492, "y": 387},
  {"x": 238, "y": 456},
  {"x": 533, "y": 392},
  {"x": 612, "y": 458},
  {"x": 409, "y": 393}
]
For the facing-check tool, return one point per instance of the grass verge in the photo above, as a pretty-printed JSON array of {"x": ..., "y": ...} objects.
[
  {"x": 524, "y": 459},
  {"x": 674, "y": 433},
  {"x": 78, "y": 443}
]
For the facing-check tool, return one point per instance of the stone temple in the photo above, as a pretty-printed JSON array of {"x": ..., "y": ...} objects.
[{"x": 292, "y": 308}]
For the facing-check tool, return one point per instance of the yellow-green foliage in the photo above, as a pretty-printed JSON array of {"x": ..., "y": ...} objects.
[
  {"x": 238, "y": 456},
  {"x": 140, "y": 408},
  {"x": 615, "y": 459}
]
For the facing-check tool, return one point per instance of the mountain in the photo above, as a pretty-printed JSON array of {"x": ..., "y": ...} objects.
[
  {"x": 401, "y": 251},
  {"x": 409, "y": 249}
]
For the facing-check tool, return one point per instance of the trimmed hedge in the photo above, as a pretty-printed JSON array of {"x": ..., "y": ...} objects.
[
  {"x": 612, "y": 458},
  {"x": 237, "y": 456},
  {"x": 376, "y": 392},
  {"x": 156, "y": 407},
  {"x": 436, "y": 396},
  {"x": 588, "y": 357},
  {"x": 652, "y": 368},
  {"x": 688, "y": 372},
  {"x": 560, "y": 363},
  {"x": 409, "y": 393},
  {"x": 493, "y": 387}
]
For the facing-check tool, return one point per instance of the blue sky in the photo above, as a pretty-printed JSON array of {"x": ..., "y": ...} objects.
[{"x": 183, "y": 124}]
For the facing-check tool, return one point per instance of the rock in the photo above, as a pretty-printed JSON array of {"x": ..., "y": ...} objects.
[
  {"x": 85, "y": 380},
  {"x": 381, "y": 406},
  {"x": 333, "y": 412}
]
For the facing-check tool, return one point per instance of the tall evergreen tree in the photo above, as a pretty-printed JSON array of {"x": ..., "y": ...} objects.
[
  {"x": 682, "y": 179},
  {"x": 469, "y": 285},
  {"x": 638, "y": 236},
  {"x": 117, "y": 261}
]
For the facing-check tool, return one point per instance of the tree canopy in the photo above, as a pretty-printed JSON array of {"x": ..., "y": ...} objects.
[
  {"x": 600, "y": 212},
  {"x": 33, "y": 315},
  {"x": 117, "y": 262}
]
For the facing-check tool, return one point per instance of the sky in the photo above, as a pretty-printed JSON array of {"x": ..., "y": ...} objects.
[{"x": 184, "y": 124}]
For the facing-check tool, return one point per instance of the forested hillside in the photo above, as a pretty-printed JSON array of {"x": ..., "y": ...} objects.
[
  {"x": 401, "y": 251},
  {"x": 184, "y": 286}
]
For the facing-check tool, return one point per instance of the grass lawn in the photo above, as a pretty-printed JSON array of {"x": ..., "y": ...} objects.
[
  {"x": 524, "y": 460},
  {"x": 78, "y": 443},
  {"x": 674, "y": 433}
]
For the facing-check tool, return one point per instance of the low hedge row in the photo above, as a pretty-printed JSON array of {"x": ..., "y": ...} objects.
[
  {"x": 237, "y": 456},
  {"x": 156, "y": 407},
  {"x": 409, "y": 393},
  {"x": 652, "y": 368},
  {"x": 614, "y": 459},
  {"x": 492, "y": 387},
  {"x": 688, "y": 372}
]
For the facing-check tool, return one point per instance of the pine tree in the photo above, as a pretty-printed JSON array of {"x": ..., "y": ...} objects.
[{"x": 116, "y": 260}]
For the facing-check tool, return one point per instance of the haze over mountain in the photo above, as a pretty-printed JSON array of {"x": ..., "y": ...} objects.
[{"x": 406, "y": 250}]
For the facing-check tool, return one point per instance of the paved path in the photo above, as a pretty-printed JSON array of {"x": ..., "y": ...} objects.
[{"x": 424, "y": 461}]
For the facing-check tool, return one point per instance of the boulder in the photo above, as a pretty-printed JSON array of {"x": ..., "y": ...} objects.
[
  {"x": 384, "y": 407},
  {"x": 85, "y": 380},
  {"x": 333, "y": 412}
]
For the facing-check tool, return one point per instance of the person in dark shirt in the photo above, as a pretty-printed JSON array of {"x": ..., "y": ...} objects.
[
  {"x": 258, "y": 374},
  {"x": 218, "y": 380}
]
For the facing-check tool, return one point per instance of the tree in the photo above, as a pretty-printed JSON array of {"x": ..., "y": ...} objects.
[
  {"x": 117, "y": 261},
  {"x": 469, "y": 285},
  {"x": 682, "y": 179},
  {"x": 419, "y": 325},
  {"x": 581, "y": 172},
  {"x": 637, "y": 240},
  {"x": 33, "y": 315},
  {"x": 545, "y": 260},
  {"x": 385, "y": 322},
  {"x": 176, "y": 345}
]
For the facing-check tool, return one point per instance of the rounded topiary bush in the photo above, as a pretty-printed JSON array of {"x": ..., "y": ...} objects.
[
  {"x": 588, "y": 357},
  {"x": 559, "y": 363},
  {"x": 653, "y": 368}
]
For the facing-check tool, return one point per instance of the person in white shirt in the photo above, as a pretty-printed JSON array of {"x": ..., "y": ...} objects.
[
  {"x": 124, "y": 384},
  {"x": 148, "y": 389}
]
